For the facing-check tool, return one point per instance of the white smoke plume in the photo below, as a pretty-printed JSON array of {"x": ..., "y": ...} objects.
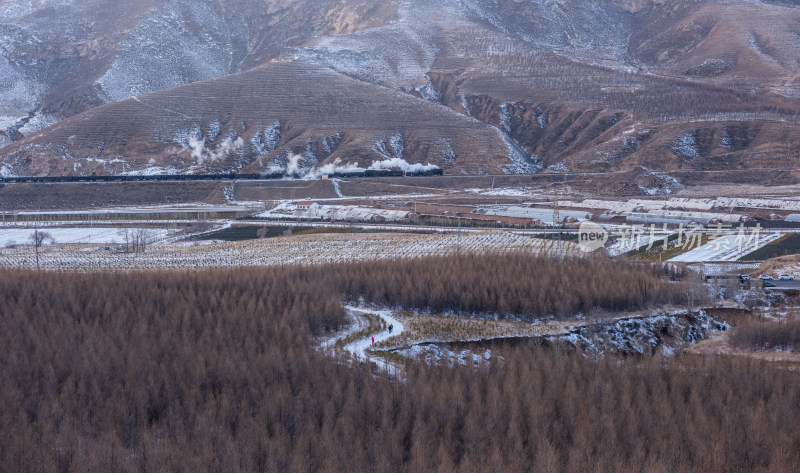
[
  {"x": 203, "y": 154},
  {"x": 293, "y": 166},
  {"x": 387, "y": 164},
  {"x": 401, "y": 164},
  {"x": 337, "y": 166}
]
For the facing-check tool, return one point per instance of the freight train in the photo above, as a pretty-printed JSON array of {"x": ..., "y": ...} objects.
[{"x": 215, "y": 177}]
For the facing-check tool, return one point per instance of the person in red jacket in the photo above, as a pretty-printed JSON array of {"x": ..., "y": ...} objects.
[{"x": 373, "y": 340}]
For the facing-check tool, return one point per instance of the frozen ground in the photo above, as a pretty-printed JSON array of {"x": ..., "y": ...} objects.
[{"x": 434, "y": 354}]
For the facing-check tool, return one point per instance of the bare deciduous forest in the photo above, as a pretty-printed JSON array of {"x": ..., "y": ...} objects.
[
  {"x": 516, "y": 285},
  {"x": 784, "y": 335},
  {"x": 217, "y": 371}
]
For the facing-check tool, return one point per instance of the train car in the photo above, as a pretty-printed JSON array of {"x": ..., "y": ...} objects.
[
  {"x": 248, "y": 176},
  {"x": 272, "y": 175},
  {"x": 383, "y": 173},
  {"x": 209, "y": 177},
  {"x": 346, "y": 174},
  {"x": 427, "y": 172}
]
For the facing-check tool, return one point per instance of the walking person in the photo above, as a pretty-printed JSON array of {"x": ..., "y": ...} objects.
[{"x": 373, "y": 340}]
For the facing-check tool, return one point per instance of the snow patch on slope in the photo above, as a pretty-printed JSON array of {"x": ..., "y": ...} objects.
[
  {"x": 660, "y": 184},
  {"x": 19, "y": 8},
  {"x": 686, "y": 146},
  {"x": 521, "y": 162},
  {"x": 207, "y": 149},
  {"x": 587, "y": 29},
  {"x": 643, "y": 334},
  {"x": 6, "y": 171},
  {"x": 178, "y": 43},
  {"x": 19, "y": 96},
  {"x": 375, "y": 55},
  {"x": 265, "y": 142}
]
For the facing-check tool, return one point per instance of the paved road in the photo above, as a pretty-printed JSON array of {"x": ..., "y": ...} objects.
[{"x": 784, "y": 285}]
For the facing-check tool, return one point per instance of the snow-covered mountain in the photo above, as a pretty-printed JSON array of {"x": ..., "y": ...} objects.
[{"x": 111, "y": 86}]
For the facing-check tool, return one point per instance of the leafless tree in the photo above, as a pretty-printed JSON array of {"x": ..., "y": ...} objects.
[
  {"x": 76, "y": 340},
  {"x": 125, "y": 233},
  {"x": 39, "y": 238},
  {"x": 141, "y": 238}
]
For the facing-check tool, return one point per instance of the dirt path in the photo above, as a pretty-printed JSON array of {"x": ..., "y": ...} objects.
[
  {"x": 360, "y": 348},
  {"x": 357, "y": 324}
]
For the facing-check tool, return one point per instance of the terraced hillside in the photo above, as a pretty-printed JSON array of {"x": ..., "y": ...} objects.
[
  {"x": 60, "y": 58},
  {"x": 470, "y": 86},
  {"x": 281, "y": 115}
]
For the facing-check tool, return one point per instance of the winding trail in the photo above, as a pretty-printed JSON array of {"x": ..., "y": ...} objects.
[
  {"x": 357, "y": 324},
  {"x": 359, "y": 349}
]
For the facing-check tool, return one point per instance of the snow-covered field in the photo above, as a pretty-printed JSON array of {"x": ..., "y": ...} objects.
[
  {"x": 630, "y": 241},
  {"x": 302, "y": 249},
  {"x": 504, "y": 191},
  {"x": 89, "y": 235},
  {"x": 725, "y": 248},
  {"x": 543, "y": 214},
  {"x": 352, "y": 213}
]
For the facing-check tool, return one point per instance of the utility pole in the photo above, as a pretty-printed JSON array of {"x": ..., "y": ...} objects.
[
  {"x": 36, "y": 243},
  {"x": 459, "y": 236},
  {"x": 556, "y": 216}
]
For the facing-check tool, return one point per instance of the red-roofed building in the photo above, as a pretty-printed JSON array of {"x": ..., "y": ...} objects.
[{"x": 306, "y": 204}]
